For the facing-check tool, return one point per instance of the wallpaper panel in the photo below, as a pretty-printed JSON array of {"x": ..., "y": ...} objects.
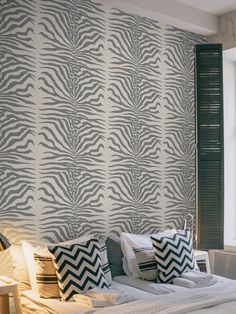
[
  {"x": 71, "y": 118},
  {"x": 97, "y": 110},
  {"x": 135, "y": 123},
  {"x": 179, "y": 137},
  {"x": 17, "y": 117}
]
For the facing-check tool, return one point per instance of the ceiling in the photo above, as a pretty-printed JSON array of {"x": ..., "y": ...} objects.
[
  {"x": 198, "y": 16},
  {"x": 215, "y": 7}
]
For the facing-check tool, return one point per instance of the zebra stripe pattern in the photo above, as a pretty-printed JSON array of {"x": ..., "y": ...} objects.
[
  {"x": 179, "y": 128},
  {"x": 78, "y": 267},
  {"x": 174, "y": 255},
  {"x": 97, "y": 121},
  {"x": 135, "y": 85},
  {"x": 17, "y": 117},
  {"x": 72, "y": 118}
]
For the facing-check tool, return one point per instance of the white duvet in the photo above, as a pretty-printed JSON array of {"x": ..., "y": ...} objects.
[
  {"x": 34, "y": 304},
  {"x": 219, "y": 298}
]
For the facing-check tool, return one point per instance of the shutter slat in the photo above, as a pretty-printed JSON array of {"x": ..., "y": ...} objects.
[{"x": 209, "y": 94}]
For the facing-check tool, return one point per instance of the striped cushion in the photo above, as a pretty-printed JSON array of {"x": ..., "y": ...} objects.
[
  {"x": 146, "y": 262},
  {"x": 46, "y": 277},
  {"x": 174, "y": 255},
  {"x": 78, "y": 268}
]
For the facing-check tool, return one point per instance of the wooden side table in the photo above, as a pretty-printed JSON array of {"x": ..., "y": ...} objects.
[
  {"x": 203, "y": 256},
  {"x": 9, "y": 286}
]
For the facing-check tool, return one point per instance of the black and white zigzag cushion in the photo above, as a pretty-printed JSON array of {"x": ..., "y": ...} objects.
[
  {"x": 174, "y": 255},
  {"x": 78, "y": 268},
  {"x": 105, "y": 264}
]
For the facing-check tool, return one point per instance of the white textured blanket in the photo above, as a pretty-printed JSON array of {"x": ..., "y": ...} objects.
[
  {"x": 180, "y": 303},
  {"x": 220, "y": 298}
]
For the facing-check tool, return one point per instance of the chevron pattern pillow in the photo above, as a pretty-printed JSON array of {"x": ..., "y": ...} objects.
[
  {"x": 174, "y": 255},
  {"x": 105, "y": 264},
  {"x": 78, "y": 268}
]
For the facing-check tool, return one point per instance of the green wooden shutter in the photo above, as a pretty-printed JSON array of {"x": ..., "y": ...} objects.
[{"x": 210, "y": 156}]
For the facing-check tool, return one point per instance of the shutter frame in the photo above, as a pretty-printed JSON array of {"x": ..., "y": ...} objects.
[{"x": 210, "y": 146}]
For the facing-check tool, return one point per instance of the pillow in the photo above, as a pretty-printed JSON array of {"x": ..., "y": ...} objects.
[
  {"x": 105, "y": 263},
  {"x": 103, "y": 254},
  {"x": 115, "y": 256},
  {"x": 174, "y": 255},
  {"x": 146, "y": 262},
  {"x": 41, "y": 248},
  {"x": 125, "y": 267},
  {"x": 20, "y": 271},
  {"x": 46, "y": 277},
  {"x": 129, "y": 241},
  {"x": 78, "y": 268}
]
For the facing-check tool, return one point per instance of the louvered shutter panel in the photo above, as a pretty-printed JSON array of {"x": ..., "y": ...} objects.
[{"x": 210, "y": 163}]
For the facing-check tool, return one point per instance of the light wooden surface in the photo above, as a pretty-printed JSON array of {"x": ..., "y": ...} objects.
[
  {"x": 9, "y": 286},
  {"x": 4, "y": 304}
]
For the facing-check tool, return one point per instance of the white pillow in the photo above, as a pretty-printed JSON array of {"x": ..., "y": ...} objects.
[
  {"x": 20, "y": 269},
  {"x": 125, "y": 267},
  {"x": 41, "y": 248},
  {"x": 130, "y": 241}
]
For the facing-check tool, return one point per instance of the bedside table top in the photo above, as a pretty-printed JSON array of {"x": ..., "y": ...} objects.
[
  {"x": 5, "y": 281},
  {"x": 198, "y": 253},
  {"x": 7, "y": 285}
]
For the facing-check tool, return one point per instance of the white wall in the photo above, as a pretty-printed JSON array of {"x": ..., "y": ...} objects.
[
  {"x": 229, "y": 68},
  {"x": 223, "y": 263}
]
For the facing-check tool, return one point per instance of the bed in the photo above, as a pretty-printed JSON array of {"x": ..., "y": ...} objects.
[
  {"x": 147, "y": 298},
  {"x": 59, "y": 279}
]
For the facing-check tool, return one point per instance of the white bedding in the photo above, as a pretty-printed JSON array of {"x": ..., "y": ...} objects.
[
  {"x": 219, "y": 298},
  {"x": 149, "y": 286},
  {"x": 157, "y": 289},
  {"x": 54, "y": 306}
]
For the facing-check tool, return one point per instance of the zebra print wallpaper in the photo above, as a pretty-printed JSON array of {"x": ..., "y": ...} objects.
[{"x": 97, "y": 121}]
